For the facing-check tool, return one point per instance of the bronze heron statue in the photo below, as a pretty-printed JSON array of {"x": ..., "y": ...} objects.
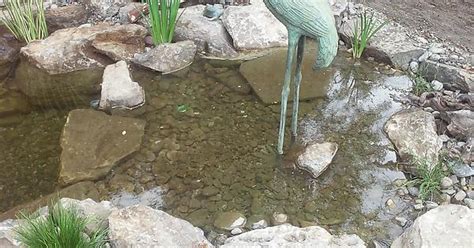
[{"x": 303, "y": 18}]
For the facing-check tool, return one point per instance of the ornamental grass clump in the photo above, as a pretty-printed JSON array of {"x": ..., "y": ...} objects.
[
  {"x": 428, "y": 177},
  {"x": 366, "y": 27},
  {"x": 61, "y": 228},
  {"x": 163, "y": 15},
  {"x": 25, "y": 19}
]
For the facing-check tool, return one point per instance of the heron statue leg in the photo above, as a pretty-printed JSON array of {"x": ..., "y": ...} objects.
[
  {"x": 296, "y": 93},
  {"x": 293, "y": 38}
]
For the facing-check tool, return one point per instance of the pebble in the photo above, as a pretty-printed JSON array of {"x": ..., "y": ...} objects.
[
  {"x": 279, "y": 218},
  {"x": 210, "y": 191},
  {"x": 453, "y": 57},
  {"x": 414, "y": 191},
  {"x": 444, "y": 138},
  {"x": 469, "y": 203},
  {"x": 431, "y": 205},
  {"x": 437, "y": 49},
  {"x": 446, "y": 182},
  {"x": 418, "y": 206},
  {"x": 236, "y": 231},
  {"x": 470, "y": 194},
  {"x": 390, "y": 204},
  {"x": 454, "y": 178},
  {"x": 462, "y": 181},
  {"x": 424, "y": 56},
  {"x": 458, "y": 197},
  {"x": 435, "y": 57},
  {"x": 437, "y": 85},
  {"x": 259, "y": 224},
  {"x": 401, "y": 221},
  {"x": 462, "y": 170},
  {"x": 414, "y": 66}
]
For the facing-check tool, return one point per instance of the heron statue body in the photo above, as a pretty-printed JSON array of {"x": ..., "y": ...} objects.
[{"x": 303, "y": 18}]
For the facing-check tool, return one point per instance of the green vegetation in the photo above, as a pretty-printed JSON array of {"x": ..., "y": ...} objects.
[
  {"x": 365, "y": 28},
  {"x": 25, "y": 19},
  {"x": 163, "y": 18},
  {"x": 428, "y": 177},
  {"x": 420, "y": 85},
  {"x": 61, "y": 228},
  {"x": 182, "y": 108}
]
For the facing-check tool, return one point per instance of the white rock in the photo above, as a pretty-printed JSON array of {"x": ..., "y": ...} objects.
[
  {"x": 469, "y": 203},
  {"x": 446, "y": 182},
  {"x": 230, "y": 220},
  {"x": 459, "y": 196},
  {"x": 254, "y": 27},
  {"x": 431, "y": 205},
  {"x": 119, "y": 90},
  {"x": 259, "y": 224},
  {"x": 402, "y": 221},
  {"x": 141, "y": 227},
  {"x": 236, "y": 231},
  {"x": 279, "y": 218},
  {"x": 435, "y": 57},
  {"x": 413, "y": 132},
  {"x": 414, "y": 66},
  {"x": 445, "y": 226},
  {"x": 7, "y": 235},
  {"x": 316, "y": 157},
  {"x": 418, "y": 206},
  {"x": 437, "y": 85},
  {"x": 291, "y": 236}
]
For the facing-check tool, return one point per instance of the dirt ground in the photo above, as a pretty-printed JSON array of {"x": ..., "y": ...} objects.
[{"x": 450, "y": 20}]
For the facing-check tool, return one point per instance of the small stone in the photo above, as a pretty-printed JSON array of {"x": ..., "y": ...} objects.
[
  {"x": 424, "y": 56},
  {"x": 444, "y": 138},
  {"x": 458, "y": 197},
  {"x": 418, "y": 207},
  {"x": 462, "y": 181},
  {"x": 470, "y": 194},
  {"x": 469, "y": 203},
  {"x": 431, "y": 205},
  {"x": 414, "y": 66},
  {"x": 259, "y": 224},
  {"x": 279, "y": 218},
  {"x": 437, "y": 85},
  {"x": 401, "y": 221},
  {"x": 453, "y": 57},
  {"x": 446, "y": 183},
  {"x": 210, "y": 191},
  {"x": 230, "y": 220},
  {"x": 236, "y": 231},
  {"x": 418, "y": 201},
  {"x": 445, "y": 199},
  {"x": 390, "y": 204},
  {"x": 399, "y": 182},
  {"x": 414, "y": 191},
  {"x": 435, "y": 57},
  {"x": 462, "y": 170},
  {"x": 437, "y": 49},
  {"x": 454, "y": 178}
]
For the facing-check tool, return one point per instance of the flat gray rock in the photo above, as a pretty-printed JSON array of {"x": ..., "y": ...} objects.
[
  {"x": 93, "y": 142},
  {"x": 265, "y": 75},
  {"x": 142, "y": 227},
  {"x": 168, "y": 57}
]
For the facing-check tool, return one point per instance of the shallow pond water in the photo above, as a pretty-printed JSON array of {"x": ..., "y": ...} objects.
[{"x": 209, "y": 148}]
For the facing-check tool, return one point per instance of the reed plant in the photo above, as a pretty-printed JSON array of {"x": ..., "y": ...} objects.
[
  {"x": 365, "y": 27},
  {"x": 25, "y": 19},
  {"x": 62, "y": 227},
  {"x": 163, "y": 16}
]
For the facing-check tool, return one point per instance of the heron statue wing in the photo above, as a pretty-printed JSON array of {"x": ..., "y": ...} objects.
[{"x": 313, "y": 17}]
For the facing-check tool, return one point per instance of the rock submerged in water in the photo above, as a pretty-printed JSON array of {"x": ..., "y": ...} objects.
[
  {"x": 290, "y": 236},
  {"x": 119, "y": 90},
  {"x": 316, "y": 157},
  {"x": 444, "y": 226},
  {"x": 93, "y": 142},
  {"x": 413, "y": 132},
  {"x": 168, "y": 58},
  {"x": 230, "y": 220}
]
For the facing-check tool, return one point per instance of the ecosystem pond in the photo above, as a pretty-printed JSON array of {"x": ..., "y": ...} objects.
[{"x": 209, "y": 147}]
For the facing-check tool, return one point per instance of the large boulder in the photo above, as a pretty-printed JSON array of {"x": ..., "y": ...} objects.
[
  {"x": 444, "y": 226},
  {"x": 461, "y": 124},
  {"x": 453, "y": 78},
  {"x": 169, "y": 57},
  {"x": 66, "y": 17},
  {"x": 254, "y": 27},
  {"x": 413, "y": 132},
  {"x": 290, "y": 236},
  {"x": 119, "y": 91},
  {"x": 316, "y": 157},
  {"x": 141, "y": 226},
  {"x": 210, "y": 36},
  {"x": 66, "y": 65},
  {"x": 7, "y": 234},
  {"x": 105, "y": 8},
  {"x": 93, "y": 142}
]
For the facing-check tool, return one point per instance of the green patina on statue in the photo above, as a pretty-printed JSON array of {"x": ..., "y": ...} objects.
[{"x": 303, "y": 18}]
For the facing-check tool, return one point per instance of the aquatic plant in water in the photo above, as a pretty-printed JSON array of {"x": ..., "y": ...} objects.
[
  {"x": 366, "y": 27},
  {"x": 25, "y": 19},
  {"x": 163, "y": 17},
  {"x": 62, "y": 227}
]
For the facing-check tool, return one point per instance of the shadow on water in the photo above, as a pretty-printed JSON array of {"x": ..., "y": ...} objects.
[{"x": 209, "y": 147}]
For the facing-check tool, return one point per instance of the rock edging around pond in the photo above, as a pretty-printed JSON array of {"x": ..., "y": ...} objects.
[{"x": 142, "y": 226}]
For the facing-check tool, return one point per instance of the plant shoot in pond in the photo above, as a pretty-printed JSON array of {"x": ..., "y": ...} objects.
[
  {"x": 25, "y": 19},
  {"x": 366, "y": 27},
  {"x": 163, "y": 17},
  {"x": 62, "y": 227}
]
